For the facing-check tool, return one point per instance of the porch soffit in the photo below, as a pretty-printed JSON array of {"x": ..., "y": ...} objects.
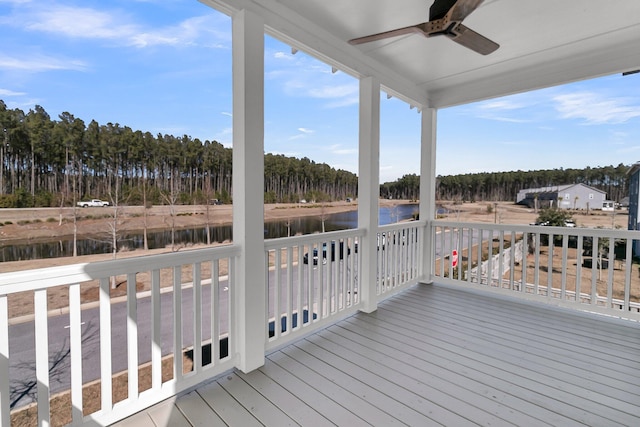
[{"x": 542, "y": 43}]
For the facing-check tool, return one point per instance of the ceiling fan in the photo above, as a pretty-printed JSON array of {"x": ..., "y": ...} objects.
[{"x": 445, "y": 19}]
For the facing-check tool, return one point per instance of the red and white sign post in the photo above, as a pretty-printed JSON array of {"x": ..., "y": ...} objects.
[{"x": 454, "y": 258}]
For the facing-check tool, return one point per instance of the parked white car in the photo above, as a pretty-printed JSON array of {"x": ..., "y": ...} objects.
[{"x": 93, "y": 203}]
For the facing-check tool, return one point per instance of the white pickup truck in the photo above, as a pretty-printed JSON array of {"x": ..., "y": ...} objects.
[{"x": 93, "y": 203}]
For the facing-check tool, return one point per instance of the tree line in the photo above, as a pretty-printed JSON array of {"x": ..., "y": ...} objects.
[
  {"x": 46, "y": 162},
  {"x": 505, "y": 185}
]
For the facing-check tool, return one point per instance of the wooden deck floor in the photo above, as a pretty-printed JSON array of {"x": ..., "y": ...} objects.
[{"x": 433, "y": 355}]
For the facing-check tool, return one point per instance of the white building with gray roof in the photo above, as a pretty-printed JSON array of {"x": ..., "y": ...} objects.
[{"x": 569, "y": 196}]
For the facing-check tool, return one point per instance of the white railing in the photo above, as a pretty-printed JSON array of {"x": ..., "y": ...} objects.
[
  {"x": 109, "y": 356},
  {"x": 584, "y": 267},
  {"x": 398, "y": 257},
  {"x": 311, "y": 280},
  {"x": 104, "y": 359}
]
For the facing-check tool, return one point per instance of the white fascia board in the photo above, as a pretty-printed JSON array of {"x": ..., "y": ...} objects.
[
  {"x": 302, "y": 34},
  {"x": 607, "y": 54}
]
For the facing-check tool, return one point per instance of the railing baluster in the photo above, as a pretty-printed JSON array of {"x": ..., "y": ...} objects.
[
  {"x": 156, "y": 331},
  {"x": 178, "y": 368},
  {"x": 579, "y": 261},
  {"x": 500, "y": 259},
  {"x": 536, "y": 267},
  {"x": 333, "y": 259},
  {"x": 611, "y": 257},
  {"x": 310, "y": 282},
  {"x": 289, "y": 288},
  {"x": 550, "y": 266},
  {"x": 197, "y": 318},
  {"x": 215, "y": 312},
  {"x": 277, "y": 310},
  {"x": 595, "y": 268},
  {"x": 380, "y": 262},
  {"x": 525, "y": 254},
  {"x": 470, "y": 239},
  {"x": 5, "y": 418},
  {"x": 490, "y": 258},
  {"x": 443, "y": 231},
  {"x": 512, "y": 260},
  {"x": 42, "y": 354},
  {"x": 321, "y": 264},
  {"x": 75, "y": 340},
  {"x": 177, "y": 323},
  {"x": 105, "y": 344},
  {"x": 627, "y": 276},
  {"x": 132, "y": 336},
  {"x": 563, "y": 285},
  {"x": 300, "y": 286}
]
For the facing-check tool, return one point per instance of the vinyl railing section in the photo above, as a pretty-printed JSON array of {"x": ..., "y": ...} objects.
[
  {"x": 399, "y": 254},
  {"x": 94, "y": 343},
  {"x": 588, "y": 268},
  {"x": 311, "y": 280}
]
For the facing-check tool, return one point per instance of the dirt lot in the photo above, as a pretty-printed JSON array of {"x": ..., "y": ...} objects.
[{"x": 509, "y": 213}]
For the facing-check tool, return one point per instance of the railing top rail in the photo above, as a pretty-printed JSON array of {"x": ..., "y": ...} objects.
[
  {"x": 310, "y": 238},
  {"x": 402, "y": 225},
  {"x": 28, "y": 280},
  {"x": 572, "y": 231}
]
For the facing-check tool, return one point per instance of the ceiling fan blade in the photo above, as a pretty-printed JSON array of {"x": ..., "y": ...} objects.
[
  {"x": 439, "y": 9},
  {"x": 393, "y": 33},
  {"x": 463, "y": 8},
  {"x": 472, "y": 40}
]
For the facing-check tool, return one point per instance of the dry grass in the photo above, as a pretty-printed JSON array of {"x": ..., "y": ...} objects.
[
  {"x": 544, "y": 270},
  {"x": 60, "y": 404}
]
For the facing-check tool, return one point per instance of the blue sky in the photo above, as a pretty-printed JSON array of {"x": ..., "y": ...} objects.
[{"x": 164, "y": 66}]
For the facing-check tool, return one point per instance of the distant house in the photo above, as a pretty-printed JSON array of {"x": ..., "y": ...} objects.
[
  {"x": 624, "y": 202},
  {"x": 570, "y": 196},
  {"x": 634, "y": 202}
]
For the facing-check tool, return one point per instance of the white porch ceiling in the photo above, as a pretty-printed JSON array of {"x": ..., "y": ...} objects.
[{"x": 542, "y": 43}]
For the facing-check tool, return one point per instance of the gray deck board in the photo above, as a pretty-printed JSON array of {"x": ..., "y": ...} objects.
[
  {"x": 191, "y": 405},
  {"x": 435, "y": 355}
]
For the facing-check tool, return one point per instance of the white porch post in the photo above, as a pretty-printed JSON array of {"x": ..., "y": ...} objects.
[
  {"x": 428, "y": 188},
  {"x": 369, "y": 188},
  {"x": 248, "y": 189}
]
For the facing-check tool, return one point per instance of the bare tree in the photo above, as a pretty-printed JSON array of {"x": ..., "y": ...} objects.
[
  {"x": 171, "y": 200},
  {"x": 144, "y": 214}
]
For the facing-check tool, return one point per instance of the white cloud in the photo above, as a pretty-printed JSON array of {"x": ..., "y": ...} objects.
[
  {"x": 331, "y": 91},
  {"x": 302, "y": 76},
  {"x": 503, "y": 104},
  {"x": 282, "y": 55},
  {"x": 305, "y": 130},
  {"x": 7, "y": 92},
  {"x": 337, "y": 149},
  {"x": 39, "y": 63},
  {"x": 118, "y": 27},
  {"x": 594, "y": 108}
]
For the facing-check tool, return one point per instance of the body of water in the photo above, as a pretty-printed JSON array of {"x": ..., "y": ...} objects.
[{"x": 161, "y": 239}]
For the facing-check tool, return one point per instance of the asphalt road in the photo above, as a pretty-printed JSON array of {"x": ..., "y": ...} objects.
[{"x": 22, "y": 341}]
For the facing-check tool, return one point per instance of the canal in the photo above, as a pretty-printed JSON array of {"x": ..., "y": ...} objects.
[{"x": 161, "y": 239}]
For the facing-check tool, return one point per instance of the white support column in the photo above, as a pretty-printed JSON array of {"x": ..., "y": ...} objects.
[
  {"x": 248, "y": 188},
  {"x": 369, "y": 188},
  {"x": 428, "y": 188}
]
